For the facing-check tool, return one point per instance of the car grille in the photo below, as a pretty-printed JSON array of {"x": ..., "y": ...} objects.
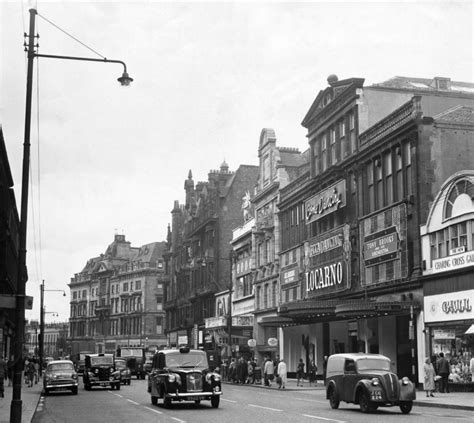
[
  {"x": 392, "y": 388},
  {"x": 61, "y": 381},
  {"x": 103, "y": 374},
  {"x": 194, "y": 382}
]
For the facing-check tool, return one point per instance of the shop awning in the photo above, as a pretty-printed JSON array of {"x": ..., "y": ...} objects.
[
  {"x": 364, "y": 309},
  {"x": 470, "y": 331},
  {"x": 276, "y": 321}
]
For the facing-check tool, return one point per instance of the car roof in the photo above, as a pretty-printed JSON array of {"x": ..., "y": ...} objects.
[
  {"x": 358, "y": 356},
  {"x": 61, "y": 362},
  {"x": 100, "y": 355}
]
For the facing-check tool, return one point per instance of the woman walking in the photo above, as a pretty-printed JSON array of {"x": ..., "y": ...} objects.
[
  {"x": 300, "y": 373},
  {"x": 282, "y": 374},
  {"x": 429, "y": 381}
]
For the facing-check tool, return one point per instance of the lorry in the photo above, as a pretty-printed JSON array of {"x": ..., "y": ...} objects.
[{"x": 135, "y": 359}]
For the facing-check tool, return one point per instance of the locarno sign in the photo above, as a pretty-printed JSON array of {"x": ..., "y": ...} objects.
[{"x": 324, "y": 277}]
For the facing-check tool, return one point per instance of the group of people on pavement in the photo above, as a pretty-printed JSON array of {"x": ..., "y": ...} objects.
[
  {"x": 244, "y": 371},
  {"x": 31, "y": 372},
  {"x": 436, "y": 369}
]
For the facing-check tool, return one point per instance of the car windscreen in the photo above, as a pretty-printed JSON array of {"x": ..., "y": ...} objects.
[
  {"x": 367, "y": 364},
  {"x": 60, "y": 366},
  {"x": 131, "y": 352},
  {"x": 120, "y": 364},
  {"x": 190, "y": 359},
  {"x": 99, "y": 361}
]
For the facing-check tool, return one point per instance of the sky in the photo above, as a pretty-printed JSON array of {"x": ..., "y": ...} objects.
[{"x": 208, "y": 77}]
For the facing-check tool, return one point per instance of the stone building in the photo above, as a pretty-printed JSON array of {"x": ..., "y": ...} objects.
[
  {"x": 200, "y": 261},
  {"x": 117, "y": 299}
]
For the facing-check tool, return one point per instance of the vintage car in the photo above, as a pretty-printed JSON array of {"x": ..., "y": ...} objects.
[
  {"x": 125, "y": 373},
  {"x": 366, "y": 379},
  {"x": 60, "y": 375},
  {"x": 99, "y": 370},
  {"x": 183, "y": 375}
]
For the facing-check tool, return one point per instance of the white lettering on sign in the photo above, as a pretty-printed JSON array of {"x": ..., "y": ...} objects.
[
  {"x": 326, "y": 202},
  {"x": 324, "y": 277},
  {"x": 453, "y": 262},
  {"x": 325, "y": 245}
]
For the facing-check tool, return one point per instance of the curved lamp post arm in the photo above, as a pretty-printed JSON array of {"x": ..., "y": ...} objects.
[{"x": 125, "y": 79}]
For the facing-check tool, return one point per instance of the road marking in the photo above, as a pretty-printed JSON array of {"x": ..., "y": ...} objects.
[
  {"x": 117, "y": 395},
  {"x": 266, "y": 408},
  {"x": 228, "y": 400},
  {"x": 155, "y": 411},
  {"x": 323, "y": 418},
  {"x": 178, "y": 420},
  {"x": 133, "y": 402}
]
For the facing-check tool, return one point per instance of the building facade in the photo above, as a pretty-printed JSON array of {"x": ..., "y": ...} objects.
[
  {"x": 201, "y": 261},
  {"x": 117, "y": 299}
]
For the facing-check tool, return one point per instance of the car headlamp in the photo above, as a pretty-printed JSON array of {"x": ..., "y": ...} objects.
[
  {"x": 375, "y": 381},
  {"x": 172, "y": 377},
  {"x": 405, "y": 381},
  {"x": 213, "y": 377}
]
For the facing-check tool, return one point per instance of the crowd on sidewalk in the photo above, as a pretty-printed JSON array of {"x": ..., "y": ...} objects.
[
  {"x": 31, "y": 373},
  {"x": 242, "y": 371}
]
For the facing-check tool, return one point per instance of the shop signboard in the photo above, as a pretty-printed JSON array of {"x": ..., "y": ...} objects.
[
  {"x": 449, "y": 306},
  {"x": 326, "y": 202},
  {"x": 381, "y": 246},
  {"x": 455, "y": 262},
  {"x": 215, "y": 322},
  {"x": 327, "y": 263},
  {"x": 272, "y": 342},
  {"x": 444, "y": 334},
  {"x": 289, "y": 277}
]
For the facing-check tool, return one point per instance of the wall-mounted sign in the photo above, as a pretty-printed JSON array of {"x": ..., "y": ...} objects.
[
  {"x": 326, "y": 202},
  {"x": 444, "y": 334},
  {"x": 215, "y": 322},
  {"x": 381, "y": 246},
  {"x": 289, "y": 276},
  {"x": 449, "y": 306},
  {"x": 252, "y": 343},
  {"x": 182, "y": 340},
  {"x": 457, "y": 250},
  {"x": 458, "y": 261},
  {"x": 272, "y": 342},
  {"x": 242, "y": 321}
]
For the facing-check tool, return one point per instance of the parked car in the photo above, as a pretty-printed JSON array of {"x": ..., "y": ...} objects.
[
  {"x": 99, "y": 370},
  {"x": 183, "y": 375},
  {"x": 366, "y": 379},
  {"x": 125, "y": 373},
  {"x": 60, "y": 375}
]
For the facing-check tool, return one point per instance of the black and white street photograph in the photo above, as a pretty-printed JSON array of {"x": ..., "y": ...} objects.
[{"x": 236, "y": 211}]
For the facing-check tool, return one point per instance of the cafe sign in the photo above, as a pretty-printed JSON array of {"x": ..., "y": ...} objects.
[
  {"x": 449, "y": 306},
  {"x": 326, "y": 202}
]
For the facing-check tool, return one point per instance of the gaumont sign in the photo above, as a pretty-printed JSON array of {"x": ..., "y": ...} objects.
[
  {"x": 326, "y": 202},
  {"x": 453, "y": 262},
  {"x": 449, "y": 306}
]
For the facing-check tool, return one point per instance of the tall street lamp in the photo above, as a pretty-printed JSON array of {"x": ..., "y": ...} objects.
[
  {"x": 16, "y": 404},
  {"x": 42, "y": 313}
]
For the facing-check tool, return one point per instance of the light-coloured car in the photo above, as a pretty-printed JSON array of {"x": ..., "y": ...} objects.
[
  {"x": 60, "y": 375},
  {"x": 367, "y": 380}
]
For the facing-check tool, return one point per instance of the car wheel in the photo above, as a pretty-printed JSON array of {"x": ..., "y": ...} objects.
[
  {"x": 333, "y": 399},
  {"x": 215, "y": 401},
  {"x": 364, "y": 402},
  {"x": 117, "y": 386},
  {"x": 74, "y": 390},
  {"x": 406, "y": 406},
  {"x": 87, "y": 387},
  {"x": 46, "y": 392},
  {"x": 129, "y": 381},
  {"x": 167, "y": 402},
  {"x": 154, "y": 400}
]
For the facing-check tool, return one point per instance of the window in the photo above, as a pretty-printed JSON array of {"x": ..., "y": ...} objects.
[
  {"x": 316, "y": 163},
  {"x": 379, "y": 182},
  {"x": 399, "y": 175},
  {"x": 265, "y": 296},
  {"x": 84, "y": 293},
  {"x": 388, "y": 178},
  {"x": 342, "y": 137},
  {"x": 125, "y": 287},
  {"x": 324, "y": 153},
  {"x": 332, "y": 139},
  {"x": 159, "y": 302},
  {"x": 74, "y": 295},
  {"x": 352, "y": 134},
  {"x": 370, "y": 185},
  {"x": 138, "y": 285},
  {"x": 408, "y": 169}
]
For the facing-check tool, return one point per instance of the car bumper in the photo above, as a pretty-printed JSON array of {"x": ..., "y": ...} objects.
[
  {"x": 193, "y": 395},
  {"x": 61, "y": 385}
]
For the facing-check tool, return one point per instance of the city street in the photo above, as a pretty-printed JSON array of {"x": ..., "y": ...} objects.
[{"x": 238, "y": 403}]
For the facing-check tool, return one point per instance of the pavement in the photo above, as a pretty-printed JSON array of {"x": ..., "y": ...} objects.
[
  {"x": 453, "y": 400},
  {"x": 31, "y": 396}
]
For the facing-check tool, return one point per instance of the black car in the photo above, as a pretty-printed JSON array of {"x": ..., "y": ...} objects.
[
  {"x": 183, "y": 375},
  {"x": 100, "y": 370},
  {"x": 125, "y": 373},
  {"x": 367, "y": 380}
]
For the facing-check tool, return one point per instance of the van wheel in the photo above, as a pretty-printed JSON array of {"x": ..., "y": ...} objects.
[
  {"x": 364, "y": 402},
  {"x": 154, "y": 400},
  {"x": 333, "y": 399},
  {"x": 406, "y": 406},
  {"x": 167, "y": 402},
  {"x": 215, "y": 401}
]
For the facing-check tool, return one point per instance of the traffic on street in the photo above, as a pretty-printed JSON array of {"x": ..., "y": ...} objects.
[{"x": 238, "y": 403}]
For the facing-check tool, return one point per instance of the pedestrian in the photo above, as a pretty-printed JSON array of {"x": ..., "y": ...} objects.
[
  {"x": 429, "y": 382},
  {"x": 300, "y": 373},
  {"x": 312, "y": 370},
  {"x": 250, "y": 373},
  {"x": 282, "y": 371},
  {"x": 268, "y": 372},
  {"x": 232, "y": 370},
  {"x": 10, "y": 367},
  {"x": 443, "y": 371},
  {"x": 471, "y": 368},
  {"x": 241, "y": 371},
  {"x": 3, "y": 374},
  {"x": 30, "y": 371},
  {"x": 37, "y": 368}
]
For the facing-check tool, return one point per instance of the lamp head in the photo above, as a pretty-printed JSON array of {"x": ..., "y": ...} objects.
[{"x": 125, "y": 80}]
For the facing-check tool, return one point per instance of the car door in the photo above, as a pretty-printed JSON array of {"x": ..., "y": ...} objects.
[{"x": 349, "y": 379}]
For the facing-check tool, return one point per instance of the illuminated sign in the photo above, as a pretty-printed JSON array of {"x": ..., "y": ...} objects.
[{"x": 326, "y": 202}]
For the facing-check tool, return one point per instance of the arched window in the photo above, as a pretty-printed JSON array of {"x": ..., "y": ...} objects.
[{"x": 459, "y": 197}]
